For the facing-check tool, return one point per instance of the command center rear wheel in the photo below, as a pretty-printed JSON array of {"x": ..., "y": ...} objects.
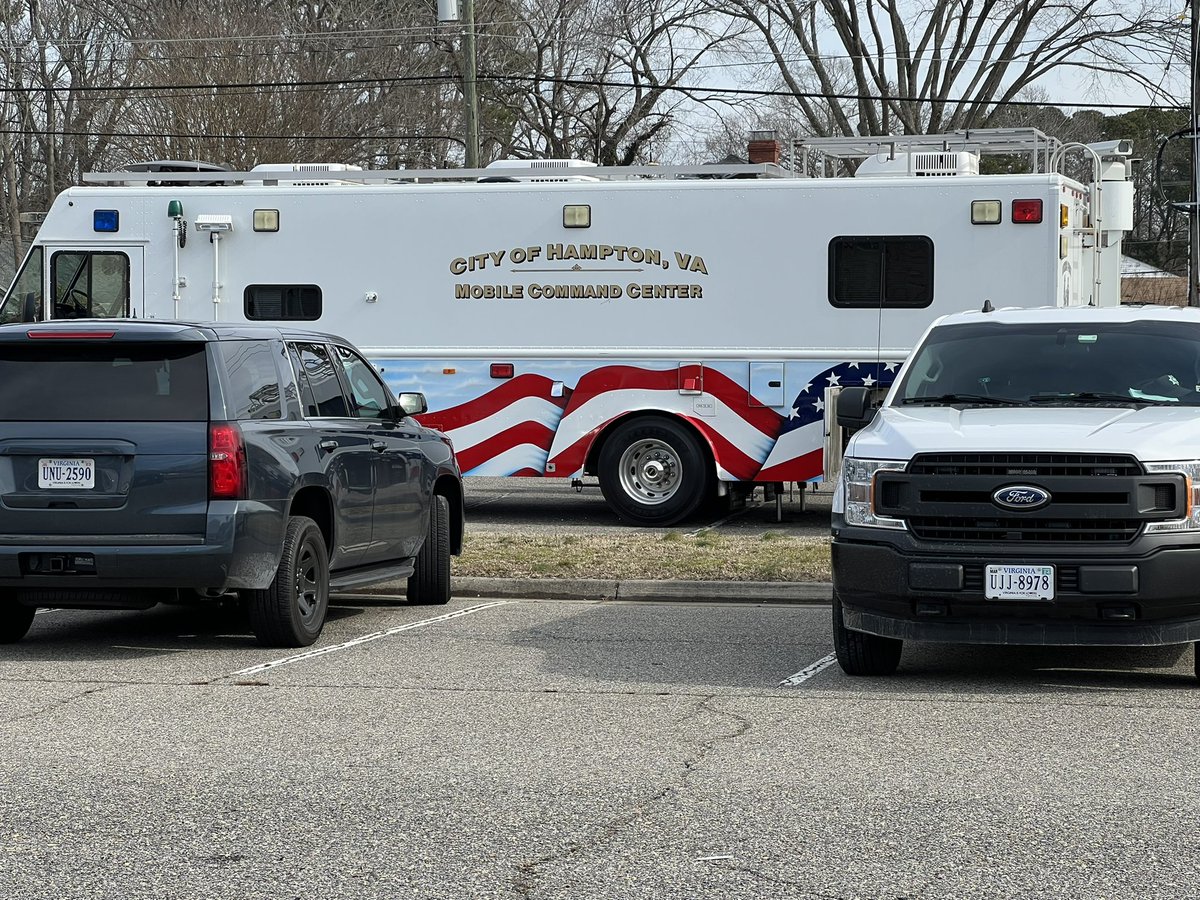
[
  {"x": 15, "y": 619},
  {"x": 859, "y": 653},
  {"x": 291, "y": 611},
  {"x": 653, "y": 471}
]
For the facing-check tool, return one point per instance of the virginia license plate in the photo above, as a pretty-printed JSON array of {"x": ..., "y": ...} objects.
[
  {"x": 66, "y": 473},
  {"x": 1018, "y": 583}
]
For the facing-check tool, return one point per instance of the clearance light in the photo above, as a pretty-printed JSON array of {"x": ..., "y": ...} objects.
[
  {"x": 71, "y": 335},
  {"x": 266, "y": 220},
  {"x": 502, "y": 370},
  {"x": 107, "y": 220},
  {"x": 1027, "y": 212},
  {"x": 1064, "y": 215},
  {"x": 985, "y": 212},
  {"x": 577, "y": 216}
]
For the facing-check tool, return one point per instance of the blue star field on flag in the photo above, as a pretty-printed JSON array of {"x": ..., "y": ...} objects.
[{"x": 809, "y": 405}]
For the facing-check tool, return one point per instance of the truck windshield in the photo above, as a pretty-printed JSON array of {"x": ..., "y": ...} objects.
[{"x": 1098, "y": 363}]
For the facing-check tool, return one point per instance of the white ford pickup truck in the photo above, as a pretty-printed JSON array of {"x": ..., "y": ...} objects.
[{"x": 1032, "y": 477}]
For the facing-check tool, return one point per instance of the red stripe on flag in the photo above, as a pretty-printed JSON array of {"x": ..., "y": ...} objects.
[
  {"x": 533, "y": 433},
  {"x": 799, "y": 468},
  {"x": 719, "y": 385},
  {"x": 528, "y": 385}
]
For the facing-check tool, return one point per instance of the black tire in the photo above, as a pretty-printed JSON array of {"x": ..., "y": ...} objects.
[
  {"x": 291, "y": 612},
  {"x": 863, "y": 654},
  {"x": 429, "y": 584},
  {"x": 654, "y": 472},
  {"x": 15, "y": 619}
]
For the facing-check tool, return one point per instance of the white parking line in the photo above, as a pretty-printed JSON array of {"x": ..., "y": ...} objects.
[
  {"x": 809, "y": 671},
  {"x": 365, "y": 639}
]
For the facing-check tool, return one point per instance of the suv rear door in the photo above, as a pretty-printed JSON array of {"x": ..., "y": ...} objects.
[{"x": 102, "y": 437}]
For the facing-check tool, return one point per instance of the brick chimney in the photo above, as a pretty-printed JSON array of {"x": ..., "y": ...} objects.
[{"x": 764, "y": 147}]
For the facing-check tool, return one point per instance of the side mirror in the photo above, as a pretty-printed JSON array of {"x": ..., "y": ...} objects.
[
  {"x": 854, "y": 410},
  {"x": 412, "y": 403}
]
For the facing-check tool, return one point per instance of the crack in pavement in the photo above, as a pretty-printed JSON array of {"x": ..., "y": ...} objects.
[
  {"x": 55, "y": 705},
  {"x": 528, "y": 872}
]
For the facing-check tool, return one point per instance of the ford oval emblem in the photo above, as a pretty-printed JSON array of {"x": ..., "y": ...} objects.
[{"x": 1021, "y": 496}]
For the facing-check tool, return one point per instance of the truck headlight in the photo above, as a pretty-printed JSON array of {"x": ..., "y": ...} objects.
[
  {"x": 857, "y": 488},
  {"x": 1190, "y": 470}
]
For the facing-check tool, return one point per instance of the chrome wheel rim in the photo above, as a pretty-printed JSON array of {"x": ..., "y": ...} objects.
[{"x": 651, "y": 471}]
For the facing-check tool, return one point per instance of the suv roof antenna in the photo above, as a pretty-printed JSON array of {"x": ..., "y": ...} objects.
[{"x": 987, "y": 306}]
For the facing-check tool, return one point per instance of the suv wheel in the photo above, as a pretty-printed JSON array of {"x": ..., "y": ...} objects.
[
  {"x": 429, "y": 584},
  {"x": 15, "y": 619},
  {"x": 863, "y": 654},
  {"x": 291, "y": 612}
]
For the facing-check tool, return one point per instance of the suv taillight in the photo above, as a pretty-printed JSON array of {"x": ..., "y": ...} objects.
[{"x": 226, "y": 462}]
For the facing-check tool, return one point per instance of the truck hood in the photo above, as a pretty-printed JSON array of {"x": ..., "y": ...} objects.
[{"x": 1151, "y": 434}]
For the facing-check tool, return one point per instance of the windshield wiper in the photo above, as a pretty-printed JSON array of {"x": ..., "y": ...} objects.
[
  {"x": 1099, "y": 397},
  {"x": 976, "y": 399}
]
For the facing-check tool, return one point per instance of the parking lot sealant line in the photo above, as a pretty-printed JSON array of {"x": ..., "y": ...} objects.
[
  {"x": 809, "y": 671},
  {"x": 717, "y": 524},
  {"x": 365, "y": 639}
]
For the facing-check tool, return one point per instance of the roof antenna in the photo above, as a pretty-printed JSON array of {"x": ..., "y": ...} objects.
[{"x": 987, "y": 306}]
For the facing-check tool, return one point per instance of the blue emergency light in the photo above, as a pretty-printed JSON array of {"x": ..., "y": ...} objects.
[{"x": 106, "y": 220}]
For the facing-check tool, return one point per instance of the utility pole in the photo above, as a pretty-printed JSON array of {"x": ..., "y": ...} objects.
[
  {"x": 471, "y": 98},
  {"x": 448, "y": 12}
]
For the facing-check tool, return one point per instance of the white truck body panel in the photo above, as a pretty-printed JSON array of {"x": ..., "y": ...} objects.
[{"x": 705, "y": 300}]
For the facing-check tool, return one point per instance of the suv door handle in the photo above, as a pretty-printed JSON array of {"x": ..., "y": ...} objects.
[
  {"x": 328, "y": 444},
  {"x": 379, "y": 446}
]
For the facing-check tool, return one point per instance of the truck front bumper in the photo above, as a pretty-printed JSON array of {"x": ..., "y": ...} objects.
[{"x": 1144, "y": 595}]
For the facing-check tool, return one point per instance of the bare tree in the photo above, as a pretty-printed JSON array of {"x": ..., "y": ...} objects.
[
  {"x": 65, "y": 70},
  {"x": 294, "y": 81},
  {"x": 604, "y": 81},
  {"x": 888, "y": 66}
]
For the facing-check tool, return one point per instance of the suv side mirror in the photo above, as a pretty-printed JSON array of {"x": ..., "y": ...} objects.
[
  {"x": 854, "y": 410},
  {"x": 412, "y": 403}
]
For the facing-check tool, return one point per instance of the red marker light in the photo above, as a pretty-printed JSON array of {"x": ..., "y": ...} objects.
[
  {"x": 1027, "y": 212},
  {"x": 503, "y": 370},
  {"x": 71, "y": 335}
]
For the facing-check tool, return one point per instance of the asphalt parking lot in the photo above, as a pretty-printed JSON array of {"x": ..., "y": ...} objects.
[{"x": 583, "y": 749}]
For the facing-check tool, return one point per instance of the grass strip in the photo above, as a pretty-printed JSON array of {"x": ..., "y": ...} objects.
[{"x": 706, "y": 557}]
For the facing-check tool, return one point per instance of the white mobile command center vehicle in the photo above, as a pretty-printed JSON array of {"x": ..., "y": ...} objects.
[
  {"x": 1033, "y": 477},
  {"x": 674, "y": 331}
]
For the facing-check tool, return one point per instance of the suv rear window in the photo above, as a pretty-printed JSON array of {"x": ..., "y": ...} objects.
[{"x": 72, "y": 382}]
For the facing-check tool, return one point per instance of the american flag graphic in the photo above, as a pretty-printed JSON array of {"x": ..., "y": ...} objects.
[{"x": 545, "y": 423}]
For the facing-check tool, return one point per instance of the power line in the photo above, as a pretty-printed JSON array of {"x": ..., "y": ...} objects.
[{"x": 689, "y": 90}]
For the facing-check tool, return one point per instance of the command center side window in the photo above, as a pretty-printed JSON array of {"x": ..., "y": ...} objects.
[
  {"x": 89, "y": 284},
  {"x": 881, "y": 271},
  {"x": 282, "y": 302}
]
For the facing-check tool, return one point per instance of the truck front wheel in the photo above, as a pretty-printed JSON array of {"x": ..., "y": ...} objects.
[
  {"x": 654, "y": 472},
  {"x": 859, "y": 653}
]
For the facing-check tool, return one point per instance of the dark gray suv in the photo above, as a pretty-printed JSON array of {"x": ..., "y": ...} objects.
[{"x": 143, "y": 462}]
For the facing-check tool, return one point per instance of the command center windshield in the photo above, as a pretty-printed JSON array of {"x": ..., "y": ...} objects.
[{"x": 1026, "y": 364}]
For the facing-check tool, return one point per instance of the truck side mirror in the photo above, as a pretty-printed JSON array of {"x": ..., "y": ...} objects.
[
  {"x": 412, "y": 403},
  {"x": 854, "y": 409}
]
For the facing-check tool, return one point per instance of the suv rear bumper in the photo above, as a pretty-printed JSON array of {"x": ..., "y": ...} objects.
[
  {"x": 1116, "y": 599},
  {"x": 212, "y": 561}
]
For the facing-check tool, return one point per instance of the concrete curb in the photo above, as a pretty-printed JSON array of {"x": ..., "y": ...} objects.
[{"x": 604, "y": 589}]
